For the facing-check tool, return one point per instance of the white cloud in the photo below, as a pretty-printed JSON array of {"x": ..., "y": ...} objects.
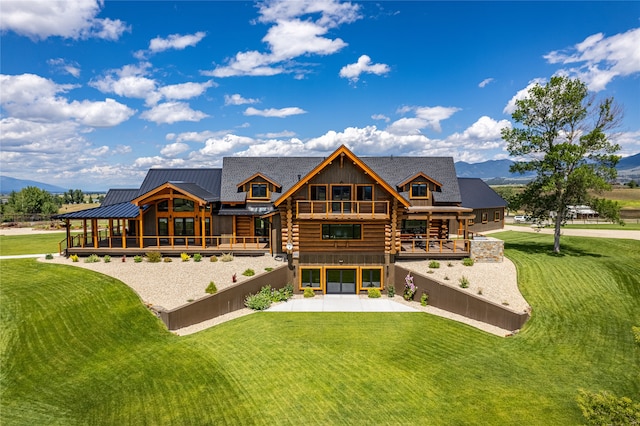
[
  {"x": 484, "y": 82},
  {"x": 171, "y": 112},
  {"x": 434, "y": 115},
  {"x": 175, "y": 41},
  {"x": 223, "y": 145},
  {"x": 521, "y": 94},
  {"x": 173, "y": 149},
  {"x": 32, "y": 97},
  {"x": 40, "y": 19},
  {"x": 61, "y": 65},
  {"x": 293, "y": 34},
  {"x": 185, "y": 90},
  {"x": 145, "y": 163},
  {"x": 364, "y": 65},
  {"x": 381, "y": 117},
  {"x": 237, "y": 99},
  {"x": 274, "y": 135},
  {"x": 196, "y": 136},
  {"x": 600, "y": 59},
  {"x": 484, "y": 134},
  {"x": 274, "y": 112}
]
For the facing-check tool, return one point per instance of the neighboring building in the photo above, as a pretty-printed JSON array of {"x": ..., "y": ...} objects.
[{"x": 341, "y": 220}]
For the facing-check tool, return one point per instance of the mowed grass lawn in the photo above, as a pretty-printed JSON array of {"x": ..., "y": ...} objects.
[
  {"x": 30, "y": 243},
  {"x": 79, "y": 348}
]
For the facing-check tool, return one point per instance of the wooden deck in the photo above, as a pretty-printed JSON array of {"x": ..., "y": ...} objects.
[{"x": 433, "y": 249}]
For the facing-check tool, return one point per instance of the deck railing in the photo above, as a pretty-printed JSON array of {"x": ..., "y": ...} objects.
[
  {"x": 342, "y": 209},
  {"x": 423, "y": 244}
]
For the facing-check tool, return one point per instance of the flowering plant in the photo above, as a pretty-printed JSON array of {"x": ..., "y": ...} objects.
[{"x": 409, "y": 287}]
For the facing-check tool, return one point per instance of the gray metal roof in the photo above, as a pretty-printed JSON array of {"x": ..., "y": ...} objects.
[
  {"x": 207, "y": 179},
  {"x": 117, "y": 196},
  {"x": 196, "y": 190},
  {"x": 395, "y": 170},
  {"x": 476, "y": 194},
  {"x": 282, "y": 170},
  {"x": 114, "y": 211}
]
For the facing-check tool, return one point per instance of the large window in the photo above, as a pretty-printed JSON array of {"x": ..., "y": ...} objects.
[
  {"x": 310, "y": 277},
  {"x": 183, "y": 226},
  {"x": 364, "y": 193},
  {"x": 318, "y": 192},
  {"x": 163, "y": 206},
  {"x": 182, "y": 205},
  {"x": 414, "y": 226},
  {"x": 259, "y": 190},
  {"x": 371, "y": 278},
  {"x": 419, "y": 190},
  {"x": 163, "y": 226},
  {"x": 336, "y": 231}
]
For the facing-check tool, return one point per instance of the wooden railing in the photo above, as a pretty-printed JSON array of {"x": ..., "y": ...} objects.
[
  {"x": 342, "y": 209},
  {"x": 423, "y": 244}
]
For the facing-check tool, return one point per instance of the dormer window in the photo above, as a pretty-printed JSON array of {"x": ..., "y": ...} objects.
[
  {"x": 419, "y": 190},
  {"x": 259, "y": 190}
]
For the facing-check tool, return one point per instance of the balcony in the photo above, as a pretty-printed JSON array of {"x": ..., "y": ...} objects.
[{"x": 342, "y": 210}]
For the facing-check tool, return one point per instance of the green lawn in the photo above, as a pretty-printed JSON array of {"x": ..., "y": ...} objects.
[
  {"x": 30, "y": 243},
  {"x": 79, "y": 348}
]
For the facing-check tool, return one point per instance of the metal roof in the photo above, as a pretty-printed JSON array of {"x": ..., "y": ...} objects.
[
  {"x": 207, "y": 179},
  {"x": 114, "y": 211},
  {"x": 197, "y": 190},
  {"x": 117, "y": 196},
  {"x": 476, "y": 194}
]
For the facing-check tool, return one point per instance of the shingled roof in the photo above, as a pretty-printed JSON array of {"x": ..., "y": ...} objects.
[{"x": 476, "y": 194}]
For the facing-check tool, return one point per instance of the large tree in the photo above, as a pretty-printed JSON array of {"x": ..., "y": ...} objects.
[
  {"x": 32, "y": 200},
  {"x": 562, "y": 136}
]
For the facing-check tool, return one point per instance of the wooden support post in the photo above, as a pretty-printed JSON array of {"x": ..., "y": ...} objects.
[
  {"x": 94, "y": 232},
  {"x": 140, "y": 229},
  {"x": 84, "y": 233},
  {"x": 394, "y": 226}
]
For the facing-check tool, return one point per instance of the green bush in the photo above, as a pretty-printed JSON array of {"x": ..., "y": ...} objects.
[
  {"x": 49, "y": 256},
  {"x": 211, "y": 288},
  {"x": 249, "y": 273},
  {"x": 464, "y": 282},
  {"x": 92, "y": 259},
  {"x": 606, "y": 409},
  {"x": 137, "y": 258},
  {"x": 391, "y": 290},
  {"x": 185, "y": 257},
  {"x": 268, "y": 269},
  {"x": 308, "y": 292},
  {"x": 282, "y": 295},
  {"x": 226, "y": 257},
  {"x": 106, "y": 258},
  {"x": 213, "y": 259},
  {"x": 154, "y": 256},
  {"x": 467, "y": 261},
  {"x": 434, "y": 265},
  {"x": 259, "y": 301},
  {"x": 197, "y": 257},
  {"x": 374, "y": 293},
  {"x": 424, "y": 299},
  {"x": 167, "y": 260}
]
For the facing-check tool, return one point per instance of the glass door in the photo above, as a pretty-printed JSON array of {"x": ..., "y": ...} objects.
[
  {"x": 341, "y": 281},
  {"x": 341, "y": 195}
]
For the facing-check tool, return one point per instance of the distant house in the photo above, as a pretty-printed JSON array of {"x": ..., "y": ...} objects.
[{"x": 340, "y": 220}]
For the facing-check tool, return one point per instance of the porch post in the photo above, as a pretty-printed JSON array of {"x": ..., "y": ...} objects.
[
  {"x": 202, "y": 229},
  {"x": 141, "y": 230},
  {"x": 84, "y": 232},
  {"x": 110, "y": 230},
  {"x": 68, "y": 226},
  {"x": 94, "y": 233},
  {"x": 124, "y": 233}
]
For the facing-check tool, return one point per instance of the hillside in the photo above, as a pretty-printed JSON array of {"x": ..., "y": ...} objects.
[{"x": 8, "y": 184}]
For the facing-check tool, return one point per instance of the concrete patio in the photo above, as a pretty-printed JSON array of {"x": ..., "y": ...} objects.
[{"x": 340, "y": 303}]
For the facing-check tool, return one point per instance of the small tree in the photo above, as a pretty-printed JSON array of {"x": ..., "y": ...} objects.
[{"x": 564, "y": 140}]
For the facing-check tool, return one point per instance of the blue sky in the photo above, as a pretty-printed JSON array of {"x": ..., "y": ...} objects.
[{"x": 93, "y": 94}]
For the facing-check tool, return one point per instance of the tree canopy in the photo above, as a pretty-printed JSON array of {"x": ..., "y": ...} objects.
[
  {"x": 32, "y": 200},
  {"x": 563, "y": 137}
]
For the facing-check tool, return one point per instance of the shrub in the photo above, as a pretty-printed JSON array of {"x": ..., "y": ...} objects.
[
  {"x": 154, "y": 256},
  {"x": 211, "y": 288},
  {"x": 446, "y": 278},
  {"x": 226, "y": 257},
  {"x": 464, "y": 282},
  {"x": 374, "y": 293},
  {"x": 391, "y": 290},
  {"x": 308, "y": 292},
  {"x": 197, "y": 257},
  {"x": 137, "y": 258},
  {"x": 259, "y": 301},
  {"x": 282, "y": 295},
  {"x": 480, "y": 291},
  {"x": 167, "y": 260},
  {"x": 606, "y": 409},
  {"x": 409, "y": 287},
  {"x": 467, "y": 261},
  {"x": 185, "y": 257},
  {"x": 268, "y": 269},
  {"x": 424, "y": 299},
  {"x": 249, "y": 273},
  {"x": 49, "y": 256},
  {"x": 92, "y": 259},
  {"x": 213, "y": 259},
  {"x": 106, "y": 258},
  {"x": 434, "y": 265},
  {"x": 430, "y": 272},
  {"x": 74, "y": 257}
]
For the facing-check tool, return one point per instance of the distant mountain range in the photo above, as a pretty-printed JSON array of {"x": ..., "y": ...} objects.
[{"x": 492, "y": 171}]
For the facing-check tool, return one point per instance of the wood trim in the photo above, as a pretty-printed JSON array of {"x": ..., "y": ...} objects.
[
  {"x": 418, "y": 176},
  {"x": 153, "y": 195},
  {"x": 255, "y": 175},
  {"x": 250, "y": 192},
  {"x": 373, "y": 191}
]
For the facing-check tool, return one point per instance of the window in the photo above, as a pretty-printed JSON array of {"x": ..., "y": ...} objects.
[
  {"x": 485, "y": 217},
  {"x": 471, "y": 222},
  {"x": 261, "y": 227},
  {"x": 259, "y": 190},
  {"x": 419, "y": 190},
  {"x": 183, "y": 226},
  {"x": 310, "y": 277},
  {"x": 318, "y": 192},
  {"x": 496, "y": 216},
  {"x": 371, "y": 278},
  {"x": 182, "y": 205},
  {"x": 163, "y": 206},
  {"x": 163, "y": 226},
  {"x": 364, "y": 193},
  {"x": 341, "y": 231},
  {"x": 414, "y": 226}
]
